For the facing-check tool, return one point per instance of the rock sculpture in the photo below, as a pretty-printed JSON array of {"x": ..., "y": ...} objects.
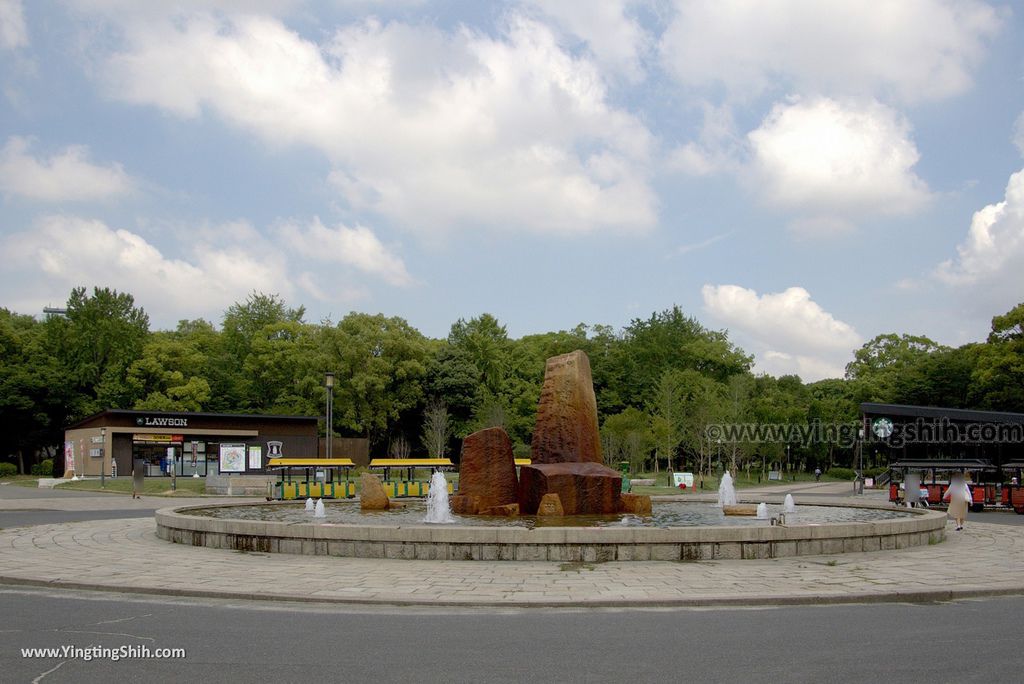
[
  {"x": 566, "y": 429},
  {"x": 581, "y": 487},
  {"x": 637, "y": 504},
  {"x": 372, "y": 496},
  {"x": 551, "y": 505},
  {"x": 487, "y": 470}
]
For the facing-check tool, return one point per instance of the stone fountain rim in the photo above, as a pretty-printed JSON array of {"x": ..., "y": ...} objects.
[{"x": 226, "y": 532}]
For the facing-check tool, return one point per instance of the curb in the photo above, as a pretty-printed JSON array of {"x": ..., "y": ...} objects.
[{"x": 922, "y": 596}]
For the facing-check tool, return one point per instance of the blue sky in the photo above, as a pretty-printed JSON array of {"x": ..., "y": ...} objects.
[{"x": 805, "y": 173}]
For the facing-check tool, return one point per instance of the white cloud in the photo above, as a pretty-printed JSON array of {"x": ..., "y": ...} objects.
[
  {"x": 67, "y": 176},
  {"x": 809, "y": 368},
  {"x": 13, "y": 31},
  {"x": 220, "y": 265},
  {"x": 823, "y": 158},
  {"x": 617, "y": 40},
  {"x": 428, "y": 128},
  {"x": 989, "y": 263},
  {"x": 358, "y": 247},
  {"x": 918, "y": 50},
  {"x": 61, "y": 252},
  {"x": 790, "y": 332},
  {"x": 718, "y": 148}
]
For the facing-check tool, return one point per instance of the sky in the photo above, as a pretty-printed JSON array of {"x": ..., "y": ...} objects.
[{"x": 806, "y": 174}]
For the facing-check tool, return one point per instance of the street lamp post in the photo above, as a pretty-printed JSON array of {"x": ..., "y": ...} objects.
[
  {"x": 329, "y": 384},
  {"x": 103, "y": 458},
  {"x": 858, "y": 485}
]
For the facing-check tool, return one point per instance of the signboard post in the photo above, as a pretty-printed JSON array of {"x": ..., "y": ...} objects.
[{"x": 174, "y": 468}]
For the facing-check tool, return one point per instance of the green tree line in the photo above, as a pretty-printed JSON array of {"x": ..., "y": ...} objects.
[{"x": 660, "y": 381}]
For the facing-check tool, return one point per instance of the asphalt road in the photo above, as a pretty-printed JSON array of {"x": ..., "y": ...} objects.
[{"x": 244, "y": 642}]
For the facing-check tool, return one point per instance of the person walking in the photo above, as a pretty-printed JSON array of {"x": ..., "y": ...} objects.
[{"x": 959, "y": 496}]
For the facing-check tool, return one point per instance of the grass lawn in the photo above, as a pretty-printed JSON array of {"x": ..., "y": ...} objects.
[
  {"x": 711, "y": 483},
  {"x": 154, "y": 486},
  {"x": 23, "y": 481}
]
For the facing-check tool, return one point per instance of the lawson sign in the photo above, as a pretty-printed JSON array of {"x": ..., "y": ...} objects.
[{"x": 161, "y": 421}]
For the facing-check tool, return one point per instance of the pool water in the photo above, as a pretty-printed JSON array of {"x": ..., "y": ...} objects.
[{"x": 665, "y": 514}]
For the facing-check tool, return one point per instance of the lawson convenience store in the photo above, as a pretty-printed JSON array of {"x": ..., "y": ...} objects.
[{"x": 190, "y": 443}]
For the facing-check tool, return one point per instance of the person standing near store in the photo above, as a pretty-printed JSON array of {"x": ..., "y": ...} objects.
[{"x": 959, "y": 496}]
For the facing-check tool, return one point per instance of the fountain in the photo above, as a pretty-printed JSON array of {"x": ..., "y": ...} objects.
[
  {"x": 309, "y": 505},
  {"x": 762, "y": 511},
  {"x": 726, "y": 491},
  {"x": 438, "y": 510},
  {"x": 498, "y": 515},
  {"x": 789, "y": 506}
]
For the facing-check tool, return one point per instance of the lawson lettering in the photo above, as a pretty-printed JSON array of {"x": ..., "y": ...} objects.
[{"x": 163, "y": 421}]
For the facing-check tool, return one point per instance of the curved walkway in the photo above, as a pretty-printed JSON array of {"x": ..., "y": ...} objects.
[{"x": 126, "y": 555}]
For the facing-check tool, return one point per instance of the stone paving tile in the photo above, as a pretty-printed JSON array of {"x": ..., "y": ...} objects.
[{"x": 126, "y": 553}]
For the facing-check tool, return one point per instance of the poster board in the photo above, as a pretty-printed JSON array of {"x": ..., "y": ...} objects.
[
  {"x": 69, "y": 456},
  {"x": 255, "y": 458},
  {"x": 682, "y": 478},
  {"x": 232, "y": 458}
]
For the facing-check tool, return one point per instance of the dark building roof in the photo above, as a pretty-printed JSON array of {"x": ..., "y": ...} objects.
[
  {"x": 254, "y": 417},
  {"x": 938, "y": 413},
  {"x": 942, "y": 464}
]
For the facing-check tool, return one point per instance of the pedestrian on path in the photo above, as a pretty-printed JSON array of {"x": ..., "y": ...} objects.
[
  {"x": 817, "y": 474},
  {"x": 959, "y": 495}
]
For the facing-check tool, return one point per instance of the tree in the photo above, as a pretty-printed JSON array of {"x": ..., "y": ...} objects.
[
  {"x": 380, "y": 364},
  {"x": 452, "y": 375},
  {"x": 168, "y": 376},
  {"x": 99, "y": 339},
  {"x": 877, "y": 365},
  {"x": 437, "y": 428},
  {"x": 283, "y": 372},
  {"x": 670, "y": 339},
  {"x": 486, "y": 343},
  {"x": 244, "y": 321},
  {"x": 999, "y": 374},
  {"x": 668, "y": 409},
  {"x": 626, "y": 436},
  {"x": 32, "y": 398}
]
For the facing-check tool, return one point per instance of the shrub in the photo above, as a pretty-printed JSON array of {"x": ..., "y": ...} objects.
[
  {"x": 46, "y": 467},
  {"x": 8, "y": 469},
  {"x": 841, "y": 473}
]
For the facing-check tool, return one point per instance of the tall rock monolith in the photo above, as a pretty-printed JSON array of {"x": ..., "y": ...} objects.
[
  {"x": 487, "y": 469},
  {"x": 566, "y": 447},
  {"x": 566, "y": 430}
]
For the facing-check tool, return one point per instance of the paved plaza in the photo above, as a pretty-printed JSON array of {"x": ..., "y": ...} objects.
[{"x": 125, "y": 555}]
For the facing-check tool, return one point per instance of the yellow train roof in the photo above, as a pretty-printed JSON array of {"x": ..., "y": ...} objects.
[
  {"x": 310, "y": 463},
  {"x": 410, "y": 462},
  {"x": 523, "y": 461}
]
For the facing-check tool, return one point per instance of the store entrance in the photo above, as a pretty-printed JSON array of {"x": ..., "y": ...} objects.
[{"x": 154, "y": 457}]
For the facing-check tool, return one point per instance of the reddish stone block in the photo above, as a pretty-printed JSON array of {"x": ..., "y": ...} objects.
[
  {"x": 507, "y": 511},
  {"x": 581, "y": 487},
  {"x": 566, "y": 430},
  {"x": 487, "y": 469},
  {"x": 637, "y": 504},
  {"x": 464, "y": 505},
  {"x": 550, "y": 504}
]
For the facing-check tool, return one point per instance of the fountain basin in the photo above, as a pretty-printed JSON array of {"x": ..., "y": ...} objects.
[{"x": 564, "y": 544}]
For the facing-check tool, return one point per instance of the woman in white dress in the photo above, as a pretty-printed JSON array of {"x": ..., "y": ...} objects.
[{"x": 959, "y": 496}]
